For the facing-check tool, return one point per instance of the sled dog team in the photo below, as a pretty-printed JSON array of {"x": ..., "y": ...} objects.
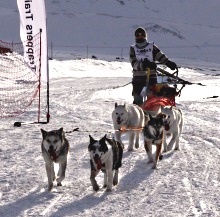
[{"x": 106, "y": 153}]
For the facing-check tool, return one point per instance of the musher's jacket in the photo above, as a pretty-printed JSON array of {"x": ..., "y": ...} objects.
[{"x": 149, "y": 51}]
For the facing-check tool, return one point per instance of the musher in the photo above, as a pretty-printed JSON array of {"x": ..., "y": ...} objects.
[{"x": 143, "y": 55}]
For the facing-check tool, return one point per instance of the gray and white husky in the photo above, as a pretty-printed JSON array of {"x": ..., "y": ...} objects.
[
  {"x": 173, "y": 124},
  {"x": 105, "y": 155},
  {"x": 128, "y": 118},
  {"x": 55, "y": 149}
]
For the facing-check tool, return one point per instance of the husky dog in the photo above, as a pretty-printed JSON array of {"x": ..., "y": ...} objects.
[
  {"x": 128, "y": 118},
  {"x": 106, "y": 155},
  {"x": 173, "y": 126},
  {"x": 55, "y": 148},
  {"x": 154, "y": 135}
]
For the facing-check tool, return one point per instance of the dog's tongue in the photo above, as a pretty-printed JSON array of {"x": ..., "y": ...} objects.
[
  {"x": 52, "y": 154},
  {"x": 167, "y": 127},
  {"x": 98, "y": 163}
]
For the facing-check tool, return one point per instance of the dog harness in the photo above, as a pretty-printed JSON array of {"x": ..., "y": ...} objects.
[{"x": 155, "y": 140}]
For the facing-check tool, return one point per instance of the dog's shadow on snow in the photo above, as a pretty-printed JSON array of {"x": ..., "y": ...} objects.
[
  {"x": 167, "y": 155},
  {"x": 35, "y": 199},
  {"x": 18, "y": 207},
  {"x": 140, "y": 170},
  {"x": 131, "y": 179},
  {"x": 83, "y": 204}
]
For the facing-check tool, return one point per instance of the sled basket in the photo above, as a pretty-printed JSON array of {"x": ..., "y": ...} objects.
[{"x": 160, "y": 94}]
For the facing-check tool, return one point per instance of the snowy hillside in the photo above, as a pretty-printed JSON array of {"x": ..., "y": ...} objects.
[{"x": 182, "y": 29}]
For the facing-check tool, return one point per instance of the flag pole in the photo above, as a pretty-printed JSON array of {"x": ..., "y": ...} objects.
[
  {"x": 39, "y": 85},
  {"x": 48, "y": 105}
]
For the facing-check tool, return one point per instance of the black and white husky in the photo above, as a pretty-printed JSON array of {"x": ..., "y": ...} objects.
[
  {"x": 106, "y": 155},
  {"x": 154, "y": 135},
  {"x": 55, "y": 148}
]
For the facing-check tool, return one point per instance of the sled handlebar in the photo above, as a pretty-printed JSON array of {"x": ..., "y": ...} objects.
[
  {"x": 174, "y": 73},
  {"x": 179, "y": 80}
]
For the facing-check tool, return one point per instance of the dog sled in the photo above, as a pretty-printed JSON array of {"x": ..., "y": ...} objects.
[{"x": 164, "y": 92}]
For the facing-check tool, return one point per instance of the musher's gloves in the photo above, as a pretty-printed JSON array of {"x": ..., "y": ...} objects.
[
  {"x": 144, "y": 91},
  {"x": 171, "y": 65},
  {"x": 148, "y": 64}
]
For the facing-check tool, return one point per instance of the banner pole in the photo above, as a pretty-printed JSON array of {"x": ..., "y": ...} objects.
[
  {"x": 48, "y": 86},
  {"x": 39, "y": 86}
]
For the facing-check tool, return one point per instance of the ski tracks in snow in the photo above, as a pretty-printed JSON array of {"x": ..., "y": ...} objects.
[{"x": 202, "y": 154}]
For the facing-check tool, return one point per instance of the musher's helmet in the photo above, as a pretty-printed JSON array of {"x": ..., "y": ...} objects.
[{"x": 140, "y": 32}]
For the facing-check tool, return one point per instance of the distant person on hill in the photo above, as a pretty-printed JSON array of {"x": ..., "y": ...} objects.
[{"x": 143, "y": 55}]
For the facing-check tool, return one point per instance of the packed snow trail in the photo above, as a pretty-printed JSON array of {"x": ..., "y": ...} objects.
[{"x": 186, "y": 183}]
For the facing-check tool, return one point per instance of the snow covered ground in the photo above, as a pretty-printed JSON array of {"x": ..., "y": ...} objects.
[{"x": 82, "y": 94}]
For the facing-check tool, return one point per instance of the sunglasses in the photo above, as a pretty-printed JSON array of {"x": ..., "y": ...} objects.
[{"x": 140, "y": 35}]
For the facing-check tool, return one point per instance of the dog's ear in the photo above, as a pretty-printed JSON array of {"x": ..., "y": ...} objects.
[
  {"x": 150, "y": 116},
  {"x": 91, "y": 142},
  {"x": 161, "y": 115},
  {"x": 147, "y": 118},
  {"x": 61, "y": 132},
  {"x": 164, "y": 115},
  {"x": 103, "y": 138},
  {"x": 44, "y": 133},
  {"x": 91, "y": 139},
  {"x": 125, "y": 106},
  {"x": 61, "y": 129},
  {"x": 116, "y": 105},
  {"x": 102, "y": 141}
]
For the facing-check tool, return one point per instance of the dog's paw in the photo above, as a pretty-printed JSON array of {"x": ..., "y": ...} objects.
[
  {"x": 50, "y": 187},
  {"x": 137, "y": 145},
  {"x": 59, "y": 184},
  {"x": 115, "y": 182},
  {"x": 108, "y": 189},
  {"x": 154, "y": 167},
  {"x": 95, "y": 187},
  {"x": 150, "y": 161},
  {"x": 169, "y": 147},
  {"x": 165, "y": 150},
  {"x": 130, "y": 149},
  {"x": 161, "y": 157},
  {"x": 177, "y": 149}
]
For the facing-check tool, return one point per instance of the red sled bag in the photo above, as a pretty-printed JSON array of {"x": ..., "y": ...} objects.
[{"x": 154, "y": 103}]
